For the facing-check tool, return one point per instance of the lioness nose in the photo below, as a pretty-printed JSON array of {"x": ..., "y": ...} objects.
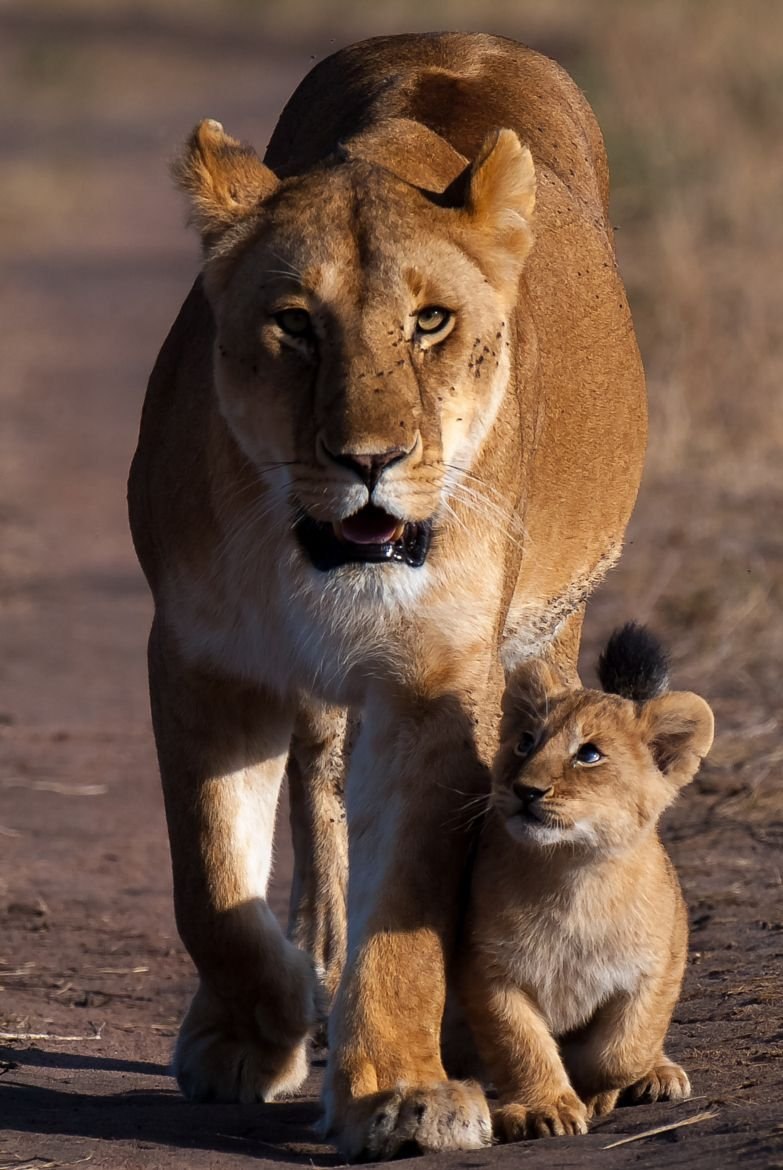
[
  {"x": 369, "y": 468},
  {"x": 529, "y": 795}
]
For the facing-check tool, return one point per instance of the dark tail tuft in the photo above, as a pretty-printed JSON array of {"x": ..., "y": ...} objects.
[{"x": 634, "y": 664}]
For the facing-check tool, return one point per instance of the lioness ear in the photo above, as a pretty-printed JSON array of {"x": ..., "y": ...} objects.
[
  {"x": 502, "y": 184},
  {"x": 679, "y": 729},
  {"x": 501, "y": 196},
  {"x": 224, "y": 179}
]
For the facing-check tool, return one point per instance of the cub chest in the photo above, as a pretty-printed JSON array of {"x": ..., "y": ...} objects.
[{"x": 571, "y": 960}]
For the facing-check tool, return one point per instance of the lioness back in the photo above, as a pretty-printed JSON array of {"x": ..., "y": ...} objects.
[{"x": 460, "y": 85}]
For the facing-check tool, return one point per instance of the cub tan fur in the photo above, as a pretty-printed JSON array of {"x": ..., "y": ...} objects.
[
  {"x": 458, "y": 178},
  {"x": 577, "y": 931}
]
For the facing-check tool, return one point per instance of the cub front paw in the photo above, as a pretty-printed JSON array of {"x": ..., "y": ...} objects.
[
  {"x": 666, "y": 1081},
  {"x": 601, "y": 1103},
  {"x": 259, "y": 1054},
  {"x": 563, "y": 1117},
  {"x": 452, "y": 1115}
]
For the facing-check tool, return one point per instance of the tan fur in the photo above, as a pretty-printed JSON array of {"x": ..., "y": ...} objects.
[
  {"x": 577, "y": 932},
  {"x": 474, "y": 179},
  {"x": 315, "y": 793},
  {"x": 224, "y": 179}
]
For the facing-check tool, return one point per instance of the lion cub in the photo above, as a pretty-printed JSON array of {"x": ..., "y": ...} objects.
[{"x": 577, "y": 929}]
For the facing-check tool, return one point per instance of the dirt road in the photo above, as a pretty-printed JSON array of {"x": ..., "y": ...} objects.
[{"x": 93, "y": 979}]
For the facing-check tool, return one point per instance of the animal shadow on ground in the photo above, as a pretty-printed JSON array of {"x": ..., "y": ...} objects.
[
  {"x": 78, "y": 1061},
  {"x": 281, "y": 1131}
]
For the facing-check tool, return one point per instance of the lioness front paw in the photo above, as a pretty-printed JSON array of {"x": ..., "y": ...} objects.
[
  {"x": 452, "y": 1115},
  {"x": 666, "y": 1081},
  {"x": 564, "y": 1117},
  {"x": 225, "y": 1055}
]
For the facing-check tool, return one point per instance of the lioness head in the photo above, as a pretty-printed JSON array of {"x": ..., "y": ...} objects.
[
  {"x": 595, "y": 769},
  {"x": 363, "y": 323}
]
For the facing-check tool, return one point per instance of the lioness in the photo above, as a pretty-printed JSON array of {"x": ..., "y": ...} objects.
[
  {"x": 393, "y": 439},
  {"x": 577, "y": 933}
]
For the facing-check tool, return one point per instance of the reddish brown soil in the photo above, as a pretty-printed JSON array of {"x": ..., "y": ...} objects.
[{"x": 93, "y": 979}]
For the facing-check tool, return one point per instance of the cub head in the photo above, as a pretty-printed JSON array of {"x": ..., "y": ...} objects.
[
  {"x": 592, "y": 769},
  {"x": 363, "y": 318}
]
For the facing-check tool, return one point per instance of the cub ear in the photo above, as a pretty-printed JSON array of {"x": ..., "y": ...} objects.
[
  {"x": 531, "y": 686},
  {"x": 678, "y": 729},
  {"x": 224, "y": 179}
]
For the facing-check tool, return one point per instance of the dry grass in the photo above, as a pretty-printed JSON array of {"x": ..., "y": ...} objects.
[
  {"x": 51, "y": 1037},
  {"x": 698, "y": 201},
  {"x": 707, "y": 1115},
  {"x": 40, "y": 1163}
]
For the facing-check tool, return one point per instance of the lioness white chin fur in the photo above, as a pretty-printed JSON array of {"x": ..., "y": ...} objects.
[{"x": 391, "y": 443}]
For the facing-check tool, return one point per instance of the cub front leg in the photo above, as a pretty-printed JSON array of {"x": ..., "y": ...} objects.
[
  {"x": 386, "y": 1088},
  {"x": 620, "y": 1053},
  {"x": 222, "y": 748},
  {"x": 536, "y": 1096},
  {"x": 663, "y": 1081},
  {"x": 316, "y": 780}
]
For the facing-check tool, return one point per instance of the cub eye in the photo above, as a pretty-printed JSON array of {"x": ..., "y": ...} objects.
[
  {"x": 433, "y": 319},
  {"x": 588, "y": 754},
  {"x": 525, "y": 745},
  {"x": 294, "y": 322}
]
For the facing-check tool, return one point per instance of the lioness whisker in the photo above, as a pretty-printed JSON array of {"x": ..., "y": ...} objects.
[
  {"x": 509, "y": 517},
  {"x": 454, "y": 480},
  {"x": 290, "y": 268},
  {"x": 454, "y": 483},
  {"x": 463, "y": 473},
  {"x": 256, "y": 481},
  {"x": 487, "y": 511},
  {"x": 457, "y": 519},
  {"x": 237, "y": 533}
]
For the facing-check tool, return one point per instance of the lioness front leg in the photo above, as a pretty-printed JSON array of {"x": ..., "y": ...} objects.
[
  {"x": 316, "y": 780},
  {"x": 386, "y": 1087},
  {"x": 536, "y": 1096},
  {"x": 222, "y": 748}
]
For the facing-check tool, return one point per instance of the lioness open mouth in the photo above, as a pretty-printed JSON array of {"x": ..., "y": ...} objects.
[{"x": 370, "y": 536}]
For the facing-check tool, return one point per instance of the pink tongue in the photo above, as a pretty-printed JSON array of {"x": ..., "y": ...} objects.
[{"x": 370, "y": 526}]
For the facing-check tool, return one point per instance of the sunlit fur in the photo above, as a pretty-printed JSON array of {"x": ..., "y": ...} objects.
[
  {"x": 577, "y": 932},
  {"x": 602, "y": 808},
  {"x": 458, "y": 171}
]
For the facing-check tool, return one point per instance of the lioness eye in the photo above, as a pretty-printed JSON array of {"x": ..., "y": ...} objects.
[
  {"x": 588, "y": 753},
  {"x": 525, "y": 745},
  {"x": 432, "y": 319},
  {"x": 295, "y": 322}
]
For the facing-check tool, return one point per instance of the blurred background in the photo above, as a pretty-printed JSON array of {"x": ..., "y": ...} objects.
[
  {"x": 97, "y": 95},
  {"x": 95, "y": 261}
]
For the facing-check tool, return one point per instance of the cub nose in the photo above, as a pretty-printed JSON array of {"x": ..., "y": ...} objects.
[
  {"x": 369, "y": 468},
  {"x": 529, "y": 795}
]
